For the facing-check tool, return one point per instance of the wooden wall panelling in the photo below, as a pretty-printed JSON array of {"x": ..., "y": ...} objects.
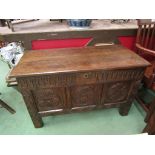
[{"x": 99, "y": 36}]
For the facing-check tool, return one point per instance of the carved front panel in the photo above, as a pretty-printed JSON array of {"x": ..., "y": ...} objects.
[
  {"x": 116, "y": 92},
  {"x": 50, "y": 99},
  {"x": 85, "y": 95},
  {"x": 80, "y": 89}
]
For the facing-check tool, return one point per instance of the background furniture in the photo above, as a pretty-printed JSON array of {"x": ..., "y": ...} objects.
[
  {"x": 4, "y": 105},
  {"x": 98, "y": 34},
  {"x": 150, "y": 120},
  {"x": 10, "y": 25},
  {"x": 60, "y": 20},
  {"x": 81, "y": 23},
  {"x": 11, "y": 22},
  {"x": 78, "y": 79},
  {"x": 2, "y": 22},
  {"x": 145, "y": 47}
]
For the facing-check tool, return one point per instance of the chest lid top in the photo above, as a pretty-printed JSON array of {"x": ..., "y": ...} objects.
[{"x": 77, "y": 59}]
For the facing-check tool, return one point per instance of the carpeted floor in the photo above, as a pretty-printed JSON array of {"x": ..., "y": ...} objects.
[{"x": 106, "y": 121}]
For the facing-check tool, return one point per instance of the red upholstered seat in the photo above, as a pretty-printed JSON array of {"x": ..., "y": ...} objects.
[{"x": 60, "y": 43}]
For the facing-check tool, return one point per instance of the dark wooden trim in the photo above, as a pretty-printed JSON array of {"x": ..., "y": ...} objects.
[{"x": 77, "y": 109}]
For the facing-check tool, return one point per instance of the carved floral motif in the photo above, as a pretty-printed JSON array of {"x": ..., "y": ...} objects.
[
  {"x": 48, "y": 98},
  {"x": 83, "y": 95},
  {"x": 117, "y": 92}
]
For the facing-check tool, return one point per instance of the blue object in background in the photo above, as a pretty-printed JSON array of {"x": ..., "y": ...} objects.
[{"x": 79, "y": 22}]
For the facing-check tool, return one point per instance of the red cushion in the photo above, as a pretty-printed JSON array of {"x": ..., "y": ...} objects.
[
  {"x": 59, "y": 43},
  {"x": 128, "y": 41}
]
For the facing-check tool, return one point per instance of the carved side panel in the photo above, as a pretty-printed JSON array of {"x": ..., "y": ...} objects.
[
  {"x": 124, "y": 108},
  {"x": 50, "y": 98},
  {"x": 32, "y": 108},
  {"x": 116, "y": 92},
  {"x": 85, "y": 95}
]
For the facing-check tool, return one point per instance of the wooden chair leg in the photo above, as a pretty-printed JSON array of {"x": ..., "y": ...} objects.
[
  {"x": 140, "y": 101},
  {"x": 10, "y": 25},
  {"x": 3, "y": 104},
  {"x": 150, "y": 119},
  {"x": 151, "y": 111},
  {"x": 2, "y": 22}
]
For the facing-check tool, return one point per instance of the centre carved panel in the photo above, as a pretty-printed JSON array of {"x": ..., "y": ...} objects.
[{"x": 84, "y": 95}]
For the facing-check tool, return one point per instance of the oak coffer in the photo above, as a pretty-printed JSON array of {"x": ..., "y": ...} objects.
[{"x": 78, "y": 79}]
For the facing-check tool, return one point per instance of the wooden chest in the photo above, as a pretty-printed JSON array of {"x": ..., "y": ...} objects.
[{"x": 78, "y": 79}]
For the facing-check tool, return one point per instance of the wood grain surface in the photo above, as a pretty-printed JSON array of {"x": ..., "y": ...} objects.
[{"x": 77, "y": 59}]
